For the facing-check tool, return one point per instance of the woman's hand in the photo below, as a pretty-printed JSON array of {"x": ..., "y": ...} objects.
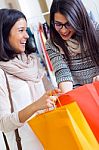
[
  {"x": 96, "y": 78},
  {"x": 48, "y": 100}
]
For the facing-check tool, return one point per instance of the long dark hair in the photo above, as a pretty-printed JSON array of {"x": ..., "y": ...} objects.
[
  {"x": 78, "y": 18},
  {"x": 8, "y": 17}
]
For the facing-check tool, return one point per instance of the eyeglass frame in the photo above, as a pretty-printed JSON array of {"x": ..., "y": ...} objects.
[{"x": 67, "y": 25}]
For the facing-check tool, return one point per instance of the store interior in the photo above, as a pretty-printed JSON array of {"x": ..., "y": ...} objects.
[{"x": 37, "y": 13}]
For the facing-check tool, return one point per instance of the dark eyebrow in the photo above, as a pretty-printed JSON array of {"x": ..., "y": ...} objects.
[
  {"x": 20, "y": 27},
  {"x": 60, "y": 22}
]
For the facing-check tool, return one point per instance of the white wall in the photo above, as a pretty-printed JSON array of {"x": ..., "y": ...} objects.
[
  {"x": 32, "y": 10},
  {"x": 3, "y": 4},
  {"x": 92, "y": 5}
]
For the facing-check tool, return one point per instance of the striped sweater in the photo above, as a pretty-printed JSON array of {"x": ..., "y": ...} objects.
[{"x": 80, "y": 72}]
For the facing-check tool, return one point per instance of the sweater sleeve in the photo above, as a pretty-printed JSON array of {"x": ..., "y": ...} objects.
[
  {"x": 8, "y": 121},
  {"x": 61, "y": 68}
]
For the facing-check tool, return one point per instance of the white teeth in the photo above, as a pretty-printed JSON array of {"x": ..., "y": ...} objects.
[{"x": 23, "y": 43}]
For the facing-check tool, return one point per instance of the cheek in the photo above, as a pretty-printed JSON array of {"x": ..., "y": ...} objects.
[
  {"x": 13, "y": 42},
  {"x": 72, "y": 31}
]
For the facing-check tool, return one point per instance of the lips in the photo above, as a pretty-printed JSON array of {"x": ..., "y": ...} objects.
[{"x": 65, "y": 35}]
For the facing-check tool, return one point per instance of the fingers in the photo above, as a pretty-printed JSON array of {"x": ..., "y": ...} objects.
[
  {"x": 50, "y": 103},
  {"x": 96, "y": 78},
  {"x": 54, "y": 92},
  {"x": 52, "y": 97}
]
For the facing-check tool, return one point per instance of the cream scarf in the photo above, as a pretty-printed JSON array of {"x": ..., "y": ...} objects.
[
  {"x": 27, "y": 69},
  {"x": 73, "y": 47}
]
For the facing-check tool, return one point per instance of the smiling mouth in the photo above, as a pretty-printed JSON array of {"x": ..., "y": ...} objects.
[{"x": 65, "y": 35}]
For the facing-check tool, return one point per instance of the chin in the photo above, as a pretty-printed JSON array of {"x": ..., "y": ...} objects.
[
  {"x": 20, "y": 51},
  {"x": 65, "y": 38}
]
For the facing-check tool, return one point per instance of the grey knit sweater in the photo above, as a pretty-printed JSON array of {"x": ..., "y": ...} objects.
[{"x": 80, "y": 72}]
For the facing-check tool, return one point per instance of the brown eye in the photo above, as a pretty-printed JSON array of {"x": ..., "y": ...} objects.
[
  {"x": 67, "y": 25},
  {"x": 21, "y": 30},
  {"x": 58, "y": 25}
]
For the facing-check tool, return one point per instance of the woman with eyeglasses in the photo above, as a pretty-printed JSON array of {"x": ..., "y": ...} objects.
[{"x": 72, "y": 47}]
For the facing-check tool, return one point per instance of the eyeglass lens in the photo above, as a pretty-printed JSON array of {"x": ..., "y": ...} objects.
[{"x": 59, "y": 25}]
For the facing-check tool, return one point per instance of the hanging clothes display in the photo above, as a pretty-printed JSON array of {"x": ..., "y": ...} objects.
[
  {"x": 46, "y": 30},
  {"x": 46, "y": 57},
  {"x": 41, "y": 34}
]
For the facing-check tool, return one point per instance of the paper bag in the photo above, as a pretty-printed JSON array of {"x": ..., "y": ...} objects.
[
  {"x": 64, "y": 128},
  {"x": 87, "y": 97}
]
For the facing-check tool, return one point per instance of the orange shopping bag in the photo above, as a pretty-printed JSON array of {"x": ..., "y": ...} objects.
[
  {"x": 64, "y": 128},
  {"x": 87, "y": 97}
]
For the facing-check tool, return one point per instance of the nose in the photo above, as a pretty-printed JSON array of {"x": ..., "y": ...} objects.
[
  {"x": 26, "y": 35},
  {"x": 63, "y": 30}
]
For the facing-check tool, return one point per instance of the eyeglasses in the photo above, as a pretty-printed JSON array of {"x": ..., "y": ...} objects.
[{"x": 58, "y": 25}]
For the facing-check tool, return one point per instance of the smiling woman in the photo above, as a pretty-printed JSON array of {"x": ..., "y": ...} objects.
[
  {"x": 73, "y": 44},
  {"x": 18, "y": 36},
  {"x": 62, "y": 26},
  {"x": 21, "y": 83}
]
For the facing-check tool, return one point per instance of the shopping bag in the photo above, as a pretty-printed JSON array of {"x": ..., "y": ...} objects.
[
  {"x": 64, "y": 128},
  {"x": 87, "y": 97}
]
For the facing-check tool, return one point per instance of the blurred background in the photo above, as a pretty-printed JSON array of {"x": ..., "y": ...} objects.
[{"x": 38, "y": 10}]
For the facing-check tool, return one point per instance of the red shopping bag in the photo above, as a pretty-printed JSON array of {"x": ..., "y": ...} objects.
[{"x": 87, "y": 97}]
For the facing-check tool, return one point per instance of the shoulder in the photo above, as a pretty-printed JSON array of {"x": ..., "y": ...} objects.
[
  {"x": 48, "y": 43},
  {"x": 51, "y": 47}
]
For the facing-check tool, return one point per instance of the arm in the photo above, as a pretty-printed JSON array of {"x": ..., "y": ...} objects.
[
  {"x": 11, "y": 121},
  {"x": 61, "y": 68},
  {"x": 66, "y": 86},
  {"x": 43, "y": 103}
]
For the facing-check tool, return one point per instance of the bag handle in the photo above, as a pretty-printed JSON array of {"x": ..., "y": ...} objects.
[
  {"x": 57, "y": 99},
  {"x": 18, "y": 139},
  {"x": 47, "y": 109}
]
